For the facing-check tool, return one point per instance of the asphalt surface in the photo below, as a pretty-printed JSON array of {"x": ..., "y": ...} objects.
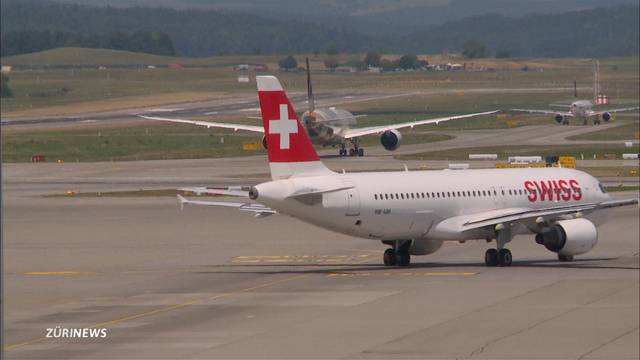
[
  {"x": 247, "y": 103},
  {"x": 209, "y": 283}
]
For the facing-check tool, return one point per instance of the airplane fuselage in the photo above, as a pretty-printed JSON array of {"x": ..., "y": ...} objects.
[
  {"x": 581, "y": 108},
  {"x": 415, "y": 204},
  {"x": 325, "y": 126}
]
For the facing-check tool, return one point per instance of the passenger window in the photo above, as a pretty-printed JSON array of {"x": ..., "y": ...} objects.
[{"x": 375, "y": 196}]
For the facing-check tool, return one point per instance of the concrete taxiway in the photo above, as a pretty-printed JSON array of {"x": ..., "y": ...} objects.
[{"x": 208, "y": 283}]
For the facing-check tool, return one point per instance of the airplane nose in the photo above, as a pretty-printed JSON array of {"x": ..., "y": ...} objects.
[{"x": 253, "y": 193}]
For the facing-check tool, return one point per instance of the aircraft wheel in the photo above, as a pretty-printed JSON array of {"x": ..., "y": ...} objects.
[
  {"x": 491, "y": 257},
  {"x": 352, "y": 152},
  {"x": 504, "y": 257},
  {"x": 403, "y": 259},
  {"x": 389, "y": 257},
  {"x": 565, "y": 258},
  {"x": 361, "y": 152}
]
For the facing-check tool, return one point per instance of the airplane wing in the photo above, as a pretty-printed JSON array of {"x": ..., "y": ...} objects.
[
  {"x": 357, "y": 132},
  {"x": 208, "y": 124},
  {"x": 525, "y": 215},
  {"x": 547, "y": 112},
  {"x": 600, "y": 112},
  {"x": 258, "y": 209}
]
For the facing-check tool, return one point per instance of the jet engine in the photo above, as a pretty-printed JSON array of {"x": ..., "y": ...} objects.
[
  {"x": 424, "y": 247},
  {"x": 559, "y": 119},
  {"x": 390, "y": 139},
  {"x": 569, "y": 237},
  {"x": 264, "y": 142},
  {"x": 606, "y": 116}
]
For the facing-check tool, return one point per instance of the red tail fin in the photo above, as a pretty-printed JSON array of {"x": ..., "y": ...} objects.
[
  {"x": 287, "y": 140},
  {"x": 288, "y": 145}
]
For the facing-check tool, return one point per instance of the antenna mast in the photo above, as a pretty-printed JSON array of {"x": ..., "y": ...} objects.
[{"x": 310, "y": 99}]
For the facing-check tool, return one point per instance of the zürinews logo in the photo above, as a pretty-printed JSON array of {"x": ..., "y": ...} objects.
[{"x": 76, "y": 333}]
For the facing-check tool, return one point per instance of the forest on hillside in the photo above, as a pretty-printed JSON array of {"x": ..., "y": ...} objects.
[{"x": 29, "y": 26}]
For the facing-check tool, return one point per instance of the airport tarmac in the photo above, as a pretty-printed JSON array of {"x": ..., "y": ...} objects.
[{"x": 209, "y": 283}]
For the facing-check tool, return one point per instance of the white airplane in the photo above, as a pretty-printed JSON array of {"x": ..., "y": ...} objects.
[
  {"x": 583, "y": 109},
  {"x": 332, "y": 126},
  {"x": 414, "y": 212}
]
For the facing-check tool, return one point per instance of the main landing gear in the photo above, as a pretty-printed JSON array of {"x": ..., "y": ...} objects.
[
  {"x": 495, "y": 257},
  {"x": 399, "y": 254},
  {"x": 355, "y": 151},
  {"x": 500, "y": 256}
]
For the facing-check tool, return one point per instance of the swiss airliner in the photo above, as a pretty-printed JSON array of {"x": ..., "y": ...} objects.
[{"x": 414, "y": 212}]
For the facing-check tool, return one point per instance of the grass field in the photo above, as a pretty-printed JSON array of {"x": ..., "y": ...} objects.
[
  {"x": 627, "y": 131},
  {"x": 81, "y": 87},
  {"x": 144, "y": 142},
  {"x": 40, "y": 88}
]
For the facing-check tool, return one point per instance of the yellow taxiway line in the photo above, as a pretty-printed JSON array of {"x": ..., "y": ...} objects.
[{"x": 185, "y": 304}]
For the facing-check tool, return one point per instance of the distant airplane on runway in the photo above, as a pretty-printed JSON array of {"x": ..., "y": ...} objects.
[
  {"x": 413, "y": 212},
  {"x": 335, "y": 127},
  {"x": 583, "y": 109}
]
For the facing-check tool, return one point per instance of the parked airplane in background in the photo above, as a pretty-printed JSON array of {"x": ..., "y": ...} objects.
[
  {"x": 335, "y": 127},
  {"x": 583, "y": 109},
  {"x": 415, "y": 211}
]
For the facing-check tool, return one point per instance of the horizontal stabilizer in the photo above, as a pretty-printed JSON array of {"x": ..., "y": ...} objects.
[
  {"x": 241, "y": 191},
  {"x": 258, "y": 209}
]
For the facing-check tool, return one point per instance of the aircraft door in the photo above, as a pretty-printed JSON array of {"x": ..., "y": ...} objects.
[
  {"x": 353, "y": 202},
  {"x": 353, "y": 199}
]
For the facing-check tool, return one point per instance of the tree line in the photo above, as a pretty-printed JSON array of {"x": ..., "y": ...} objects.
[
  {"x": 607, "y": 31},
  {"x": 27, "y": 41}
]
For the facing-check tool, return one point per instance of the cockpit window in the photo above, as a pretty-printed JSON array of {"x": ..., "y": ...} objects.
[{"x": 602, "y": 188}]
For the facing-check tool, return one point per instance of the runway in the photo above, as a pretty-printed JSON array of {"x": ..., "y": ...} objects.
[
  {"x": 208, "y": 283},
  {"x": 247, "y": 104}
]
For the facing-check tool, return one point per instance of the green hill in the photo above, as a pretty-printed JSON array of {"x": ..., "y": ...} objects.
[
  {"x": 97, "y": 57},
  {"x": 83, "y": 56}
]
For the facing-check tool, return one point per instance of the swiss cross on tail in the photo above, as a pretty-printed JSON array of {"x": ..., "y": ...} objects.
[
  {"x": 283, "y": 126},
  {"x": 287, "y": 140}
]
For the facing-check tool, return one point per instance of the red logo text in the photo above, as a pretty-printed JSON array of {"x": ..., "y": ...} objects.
[{"x": 553, "y": 190}]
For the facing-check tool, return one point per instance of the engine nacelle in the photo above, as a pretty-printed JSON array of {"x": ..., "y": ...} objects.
[
  {"x": 559, "y": 119},
  {"x": 264, "y": 142},
  {"x": 390, "y": 139},
  {"x": 606, "y": 116},
  {"x": 569, "y": 237},
  {"x": 424, "y": 247}
]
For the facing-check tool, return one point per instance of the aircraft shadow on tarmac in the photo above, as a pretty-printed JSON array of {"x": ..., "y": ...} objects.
[{"x": 310, "y": 268}]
